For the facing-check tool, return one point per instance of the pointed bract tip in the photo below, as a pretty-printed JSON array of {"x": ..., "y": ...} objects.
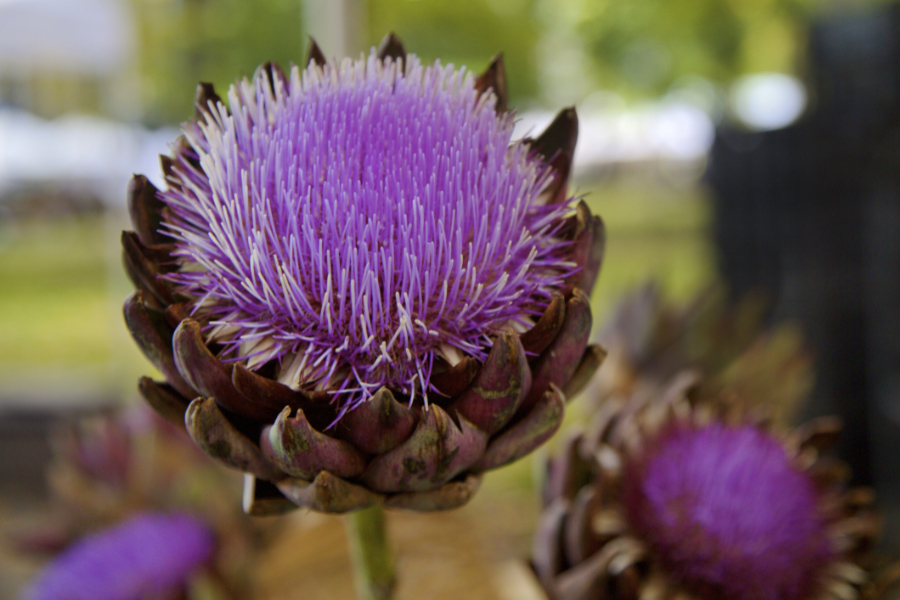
[
  {"x": 314, "y": 54},
  {"x": 560, "y": 136},
  {"x": 203, "y": 97},
  {"x": 391, "y": 47},
  {"x": 494, "y": 78},
  {"x": 145, "y": 210},
  {"x": 273, "y": 72}
]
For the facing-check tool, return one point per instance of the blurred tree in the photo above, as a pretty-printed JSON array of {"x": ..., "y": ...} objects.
[
  {"x": 559, "y": 51},
  {"x": 642, "y": 47},
  {"x": 183, "y": 42},
  {"x": 465, "y": 32},
  {"x": 556, "y": 51}
]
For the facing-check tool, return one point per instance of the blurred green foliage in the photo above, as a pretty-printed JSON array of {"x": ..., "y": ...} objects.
[
  {"x": 639, "y": 48},
  {"x": 644, "y": 46},
  {"x": 55, "y": 302},
  {"x": 183, "y": 42},
  {"x": 465, "y": 32}
]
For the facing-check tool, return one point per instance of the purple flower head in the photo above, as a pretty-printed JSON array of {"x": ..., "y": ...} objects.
[
  {"x": 339, "y": 243},
  {"x": 353, "y": 223},
  {"x": 148, "y": 554},
  {"x": 727, "y": 514}
]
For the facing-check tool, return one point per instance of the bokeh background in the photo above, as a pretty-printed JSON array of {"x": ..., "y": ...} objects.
[{"x": 753, "y": 142}]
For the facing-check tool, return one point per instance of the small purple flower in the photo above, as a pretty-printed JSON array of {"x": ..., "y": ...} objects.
[
  {"x": 356, "y": 221},
  {"x": 727, "y": 514},
  {"x": 148, "y": 554},
  {"x": 680, "y": 492}
]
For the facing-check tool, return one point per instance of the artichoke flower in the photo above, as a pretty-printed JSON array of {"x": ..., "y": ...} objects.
[
  {"x": 151, "y": 555},
  {"x": 358, "y": 288},
  {"x": 675, "y": 496}
]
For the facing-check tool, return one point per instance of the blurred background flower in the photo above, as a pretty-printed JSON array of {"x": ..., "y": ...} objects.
[
  {"x": 651, "y": 339},
  {"x": 689, "y": 480},
  {"x": 146, "y": 556},
  {"x": 682, "y": 493},
  {"x": 112, "y": 480},
  {"x": 789, "y": 108}
]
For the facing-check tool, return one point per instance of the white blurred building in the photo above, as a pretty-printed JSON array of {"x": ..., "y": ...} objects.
[
  {"x": 62, "y": 55},
  {"x": 66, "y": 59}
]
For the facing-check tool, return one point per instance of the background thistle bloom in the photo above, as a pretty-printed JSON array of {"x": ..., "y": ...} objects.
[
  {"x": 109, "y": 468},
  {"x": 677, "y": 495},
  {"x": 725, "y": 510},
  {"x": 686, "y": 484},
  {"x": 148, "y": 555},
  {"x": 373, "y": 290}
]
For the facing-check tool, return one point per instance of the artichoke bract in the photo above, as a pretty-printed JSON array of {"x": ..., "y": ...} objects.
[{"x": 358, "y": 288}]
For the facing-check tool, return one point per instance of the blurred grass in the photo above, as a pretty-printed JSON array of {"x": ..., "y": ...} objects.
[
  {"x": 62, "y": 286},
  {"x": 652, "y": 232},
  {"x": 62, "y": 338},
  {"x": 54, "y": 301}
]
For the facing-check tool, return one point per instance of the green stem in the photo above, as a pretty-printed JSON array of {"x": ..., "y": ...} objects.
[{"x": 373, "y": 565}]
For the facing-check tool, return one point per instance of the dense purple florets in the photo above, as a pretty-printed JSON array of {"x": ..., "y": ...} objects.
[
  {"x": 147, "y": 555},
  {"x": 359, "y": 221},
  {"x": 727, "y": 514}
]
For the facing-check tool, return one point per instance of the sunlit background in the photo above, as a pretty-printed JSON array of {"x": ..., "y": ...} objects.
[{"x": 750, "y": 141}]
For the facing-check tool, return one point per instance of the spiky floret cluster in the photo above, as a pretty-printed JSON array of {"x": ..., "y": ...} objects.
[
  {"x": 727, "y": 514},
  {"x": 148, "y": 555},
  {"x": 356, "y": 221}
]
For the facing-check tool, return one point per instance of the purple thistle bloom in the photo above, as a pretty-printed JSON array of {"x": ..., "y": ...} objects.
[
  {"x": 359, "y": 235},
  {"x": 727, "y": 514},
  {"x": 357, "y": 222},
  {"x": 148, "y": 554}
]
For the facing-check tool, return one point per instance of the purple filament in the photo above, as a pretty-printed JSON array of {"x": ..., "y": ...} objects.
[
  {"x": 357, "y": 221},
  {"x": 727, "y": 514}
]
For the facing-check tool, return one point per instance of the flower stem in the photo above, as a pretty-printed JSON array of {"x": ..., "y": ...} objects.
[{"x": 373, "y": 565}]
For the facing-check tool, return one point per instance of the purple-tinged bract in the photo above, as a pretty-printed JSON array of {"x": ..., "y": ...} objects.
[
  {"x": 728, "y": 514},
  {"x": 356, "y": 221},
  {"x": 149, "y": 554}
]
